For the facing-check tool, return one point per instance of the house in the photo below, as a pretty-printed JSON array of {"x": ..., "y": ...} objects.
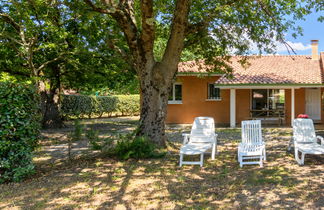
[{"x": 273, "y": 88}]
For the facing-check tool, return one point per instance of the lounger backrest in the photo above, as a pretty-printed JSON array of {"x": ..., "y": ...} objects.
[
  {"x": 303, "y": 130},
  {"x": 251, "y": 132},
  {"x": 203, "y": 129}
]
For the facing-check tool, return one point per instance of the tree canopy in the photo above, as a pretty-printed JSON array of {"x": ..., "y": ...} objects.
[
  {"x": 159, "y": 34},
  {"x": 37, "y": 35},
  {"x": 104, "y": 42}
]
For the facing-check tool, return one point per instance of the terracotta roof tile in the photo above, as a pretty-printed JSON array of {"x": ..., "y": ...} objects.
[{"x": 270, "y": 69}]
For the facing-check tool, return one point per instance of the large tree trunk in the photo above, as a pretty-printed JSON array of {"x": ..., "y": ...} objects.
[
  {"x": 51, "y": 113},
  {"x": 51, "y": 102},
  {"x": 155, "y": 77},
  {"x": 154, "y": 100}
]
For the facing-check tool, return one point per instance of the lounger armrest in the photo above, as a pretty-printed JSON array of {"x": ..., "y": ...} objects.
[
  {"x": 321, "y": 138},
  {"x": 186, "y": 137}
]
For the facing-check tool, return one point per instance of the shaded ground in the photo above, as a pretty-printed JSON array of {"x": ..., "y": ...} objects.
[{"x": 94, "y": 181}]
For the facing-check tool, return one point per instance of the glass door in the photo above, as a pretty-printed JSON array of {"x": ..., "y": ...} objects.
[{"x": 267, "y": 102}]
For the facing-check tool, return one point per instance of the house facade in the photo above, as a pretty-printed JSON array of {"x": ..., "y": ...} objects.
[{"x": 273, "y": 88}]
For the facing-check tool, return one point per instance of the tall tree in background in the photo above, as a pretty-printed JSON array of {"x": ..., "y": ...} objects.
[
  {"x": 33, "y": 29},
  {"x": 211, "y": 28},
  {"x": 43, "y": 41}
]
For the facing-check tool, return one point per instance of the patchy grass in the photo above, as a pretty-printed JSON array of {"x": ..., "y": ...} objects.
[{"x": 92, "y": 182}]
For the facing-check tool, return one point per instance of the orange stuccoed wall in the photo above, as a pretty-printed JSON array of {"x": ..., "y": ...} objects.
[{"x": 195, "y": 102}]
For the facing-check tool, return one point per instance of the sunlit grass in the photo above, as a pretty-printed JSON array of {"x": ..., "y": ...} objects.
[{"x": 100, "y": 182}]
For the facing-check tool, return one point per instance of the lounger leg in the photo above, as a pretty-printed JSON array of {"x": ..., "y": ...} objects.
[
  {"x": 301, "y": 160},
  {"x": 261, "y": 161},
  {"x": 181, "y": 159},
  {"x": 296, "y": 156},
  {"x": 289, "y": 144},
  {"x": 201, "y": 159},
  {"x": 264, "y": 155},
  {"x": 240, "y": 160},
  {"x": 216, "y": 152},
  {"x": 213, "y": 151}
]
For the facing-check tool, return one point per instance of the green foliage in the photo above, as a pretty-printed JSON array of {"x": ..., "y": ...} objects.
[
  {"x": 19, "y": 130},
  {"x": 93, "y": 138},
  {"x": 78, "y": 130},
  {"x": 137, "y": 147},
  {"x": 80, "y": 105},
  {"x": 75, "y": 135},
  {"x": 63, "y": 43},
  {"x": 128, "y": 104}
]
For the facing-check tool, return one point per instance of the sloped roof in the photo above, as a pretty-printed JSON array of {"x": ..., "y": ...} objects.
[{"x": 269, "y": 69}]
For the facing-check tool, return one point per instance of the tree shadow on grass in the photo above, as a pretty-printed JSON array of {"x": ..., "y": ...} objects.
[
  {"x": 222, "y": 184},
  {"x": 106, "y": 183}
]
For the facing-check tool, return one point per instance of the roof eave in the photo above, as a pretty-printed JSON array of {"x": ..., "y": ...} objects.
[
  {"x": 198, "y": 74},
  {"x": 274, "y": 85}
]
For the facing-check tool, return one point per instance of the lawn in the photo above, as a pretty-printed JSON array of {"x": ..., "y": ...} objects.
[{"x": 93, "y": 180}]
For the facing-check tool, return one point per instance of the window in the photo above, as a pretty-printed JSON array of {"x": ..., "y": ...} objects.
[
  {"x": 213, "y": 92},
  {"x": 175, "y": 95}
]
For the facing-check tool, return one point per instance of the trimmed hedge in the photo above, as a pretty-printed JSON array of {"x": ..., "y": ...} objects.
[
  {"x": 80, "y": 105},
  {"x": 19, "y": 130}
]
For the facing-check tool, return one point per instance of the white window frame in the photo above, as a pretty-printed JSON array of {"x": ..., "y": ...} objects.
[
  {"x": 208, "y": 93},
  {"x": 173, "y": 101}
]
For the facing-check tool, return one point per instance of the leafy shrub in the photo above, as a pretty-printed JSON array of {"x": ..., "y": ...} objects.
[
  {"x": 93, "y": 137},
  {"x": 107, "y": 104},
  {"x": 78, "y": 130},
  {"x": 128, "y": 104},
  {"x": 75, "y": 135},
  {"x": 81, "y": 106},
  {"x": 19, "y": 130},
  {"x": 137, "y": 147}
]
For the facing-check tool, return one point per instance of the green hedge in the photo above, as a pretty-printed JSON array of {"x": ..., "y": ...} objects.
[
  {"x": 86, "y": 106},
  {"x": 19, "y": 130}
]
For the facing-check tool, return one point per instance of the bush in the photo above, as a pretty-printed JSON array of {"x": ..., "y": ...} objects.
[
  {"x": 81, "y": 106},
  {"x": 137, "y": 147},
  {"x": 128, "y": 104},
  {"x": 19, "y": 130},
  {"x": 93, "y": 138},
  {"x": 107, "y": 104}
]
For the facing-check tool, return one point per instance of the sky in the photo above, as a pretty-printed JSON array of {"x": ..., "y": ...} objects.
[{"x": 312, "y": 29}]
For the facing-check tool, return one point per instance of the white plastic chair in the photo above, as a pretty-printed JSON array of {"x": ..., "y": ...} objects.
[
  {"x": 252, "y": 146},
  {"x": 305, "y": 140},
  {"x": 201, "y": 138}
]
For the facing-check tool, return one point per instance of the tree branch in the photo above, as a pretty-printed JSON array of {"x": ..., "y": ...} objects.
[
  {"x": 124, "y": 15},
  {"x": 148, "y": 27},
  {"x": 178, "y": 28},
  {"x": 17, "y": 73},
  {"x": 41, "y": 67},
  {"x": 6, "y": 36},
  {"x": 10, "y": 21},
  {"x": 209, "y": 16},
  {"x": 97, "y": 9}
]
